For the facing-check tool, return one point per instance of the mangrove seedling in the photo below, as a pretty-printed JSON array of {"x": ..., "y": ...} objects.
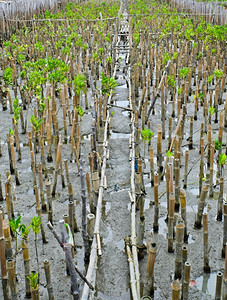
[
  {"x": 36, "y": 226},
  {"x": 36, "y": 123},
  {"x": 16, "y": 110},
  {"x": 79, "y": 84},
  {"x": 108, "y": 83},
  {"x": 80, "y": 111},
  {"x": 169, "y": 153},
  {"x": 15, "y": 226},
  {"x": 217, "y": 145},
  {"x": 33, "y": 278},
  {"x": 146, "y": 135},
  {"x": 184, "y": 72}
]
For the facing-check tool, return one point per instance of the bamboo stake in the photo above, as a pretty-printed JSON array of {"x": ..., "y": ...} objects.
[
  {"x": 186, "y": 169},
  {"x": 88, "y": 182},
  {"x": 218, "y": 289},
  {"x": 4, "y": 275},
  {"x": 211, "y": 164},
  {"x": 26, "y": 269},
  {"x": 186, "y": 281},
  {"x": 58, "y": 159},
  {"x": 14, "y": 160},
  {"x": 184, "y": 213},
  {"x": 176, "y": 288},
  {"x": 201, "y": 207},
  {"x": 159, "y": 150},
  {"x": 38, "y": 210},
  {"x": 49, "y": 201},
  {"x": 12, "y": 278},
  {"x": 206, "y": 266},
  {"x": 178, "y": 256},
  {"x": 220, "y": 200},
  {"x": 8, "y": 239},
  {"x": 224, "y": 296},
  {"x": 156, "y": 208},
  {"x": 151, "y": 153},
  {"x": 170, "y": 222},
  {"x": 149, "y": 281},
  {"x": 48, "y": 279},
  {"x": 224, "y": 229},
  {"x": 43, "y": 203}
]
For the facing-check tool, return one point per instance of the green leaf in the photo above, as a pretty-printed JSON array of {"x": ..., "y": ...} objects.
[
  {"x": 146, "y": 134},
  {"x": 222, "y": 159}
]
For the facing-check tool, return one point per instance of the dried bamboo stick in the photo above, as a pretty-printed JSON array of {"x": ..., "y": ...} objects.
[
  {"x": 206, "y": 266},
  {"x": 12, "y": 278},
  {"x": 170, "y": 222},
  {"x": 220, "y": 199},
  {"x": 186, "y": 281},
  {"x": 218, "y": 289},
  {"x": 26, "y": 259},
  {"x": 58, "y": 159},
  {"x": 224, "y": 229},
  {"x": 149, "y": 280},
  {"x": 178, "y": 255},
  {"x": 176, "y": 288},
  {"x": 48, "y": 279},
  {"x": 156, "y": 207},
  {"x": 201, "y": 207}
]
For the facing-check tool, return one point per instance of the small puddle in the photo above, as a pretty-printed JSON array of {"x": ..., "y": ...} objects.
[
  {"x": 122, "y": 103},
  {"x": 207, "y": 283},
  {"x": 118, "y": 135}
]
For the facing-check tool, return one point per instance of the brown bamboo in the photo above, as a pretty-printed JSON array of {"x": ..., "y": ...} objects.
[
  {"x": 48, "y": 279},
  {"x": 1, "y": 193},
  {"x": 149, "y": 280},
  {"x": 170, "y": 132},
  {"x": 186, "y": 281},
  {"x": 38, "y": 210},
  {"x": 67, "y": 171},
  {"x": 58, "y": 159},
  {"x": 12, "y": 278},
  {"x": 49, "y": 201},
  {"x": 170, "y": 222},
  {"x": 14, "y": 161},
  {"x": 201, "y": 207},
  {"x": 156, "y": 204},
  {"x": 88, "y": 183},
  {"x": 211, "y": 164},
  {"x": 206, "y": 266},
  {"x": 178, "y": 255},
  {"x": 33, "y": 166},
  {"x": 26, "y": 259},
  {"x": 186, "y": 169},
  {"x": 220, "y": 199},
  {"x": 218, "y": 289},
  {"x": 43, "y": 203},
  {"x": 151, "y": 153},
  {"x": 191, "y": 134},
  {"x": 8, "y": 239},
  {"x": 224, "y": 229},
  {"x": 201, "y": 166},
  {"x": 224, "y": 296},
  {"x": 184, "y": 213},
  {"x": 159, "y": 150},
  {"x": 35, "y": 294},
  {"x": 176, "y": 288}
]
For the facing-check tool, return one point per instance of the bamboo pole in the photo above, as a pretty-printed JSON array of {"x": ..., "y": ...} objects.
[
  {"x": 218, "y": 289},
  {"x": 206, "y": 266},
  {"x": 186, "y": 281},
  {"x": 201, "y": 207},
  {"x": 176, "y": 288},
  {"x": 220, "y": 199},
  {"x": 156, "y": 204},
  {"x": 46, "y": 265},
  {"x": 38, "y": 210},
  {"x": 224, "y": 229},
  {"x": 178, "y": 256},
  {"x": 4, "y": 276},
  {"x": 186, "y": 169},
  {"x": 170, "y": 222},
  {"x": 58, "y": 159},
  {"x": 49, "y": 200},
  {"x": 12, "y": 278},
  {"x": 184, "y": 213},
  {"x": 8, "y": 239},
  {"x": 224, "y": 296},
  {"x": 43, "y": 203},
  {"x": 149, "y": 280},
  {"x": 26, "y": 259}
]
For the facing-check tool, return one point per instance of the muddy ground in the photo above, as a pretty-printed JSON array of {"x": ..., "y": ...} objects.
[{"x": 113, "y": 272}]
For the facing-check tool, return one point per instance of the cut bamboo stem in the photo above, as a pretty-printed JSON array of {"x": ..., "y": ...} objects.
[
  {"x": 170, "y": 222},
  {"x": 185, "y": 288},
  {"x": 224, "y": 229},
  {"x": 48, "y": 279},
  {"x": 206, "y": 266},
  {"x": 218, "y": 289},
  {"x": 178, "y": 255},
  {"x": 201, "y": 206},
  {"x": 149, "y": 281},
  {"x": 12, "y": 278},
  {"x": 176, "y": 288},
  {"x": 156, "y": 204},
  {"x": 26, "y": 259},
  {"x": 49, "y": 200},
  {"x": 220, "y": 199}
]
